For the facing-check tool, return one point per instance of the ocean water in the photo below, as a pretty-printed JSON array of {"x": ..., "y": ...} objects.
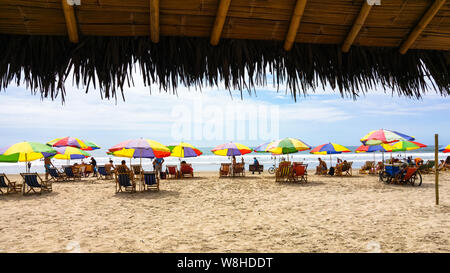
[{"x": 210, "y": 162}]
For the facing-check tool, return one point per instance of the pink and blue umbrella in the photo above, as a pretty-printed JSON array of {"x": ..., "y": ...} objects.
[{"x": 230, "y": 149}]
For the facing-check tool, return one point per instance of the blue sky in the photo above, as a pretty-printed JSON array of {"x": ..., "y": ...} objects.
[{"x": 319, "y": 118}]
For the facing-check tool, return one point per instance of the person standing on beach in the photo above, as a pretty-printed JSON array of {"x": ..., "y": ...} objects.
[
  {"x": 94, "y": 165},
  {"x": 157, "y": 164}
]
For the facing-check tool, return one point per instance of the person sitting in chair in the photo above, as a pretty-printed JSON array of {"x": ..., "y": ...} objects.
[
  {"x": 255, "y": 162},
  {"x": 419, "y": 161},
  {"x": 322, "y": 168}
]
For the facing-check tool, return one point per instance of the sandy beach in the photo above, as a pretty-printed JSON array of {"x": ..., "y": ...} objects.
[{"x": 250, "y": 214}]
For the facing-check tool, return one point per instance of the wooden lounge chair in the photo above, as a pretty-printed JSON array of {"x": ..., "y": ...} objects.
[
  {"x": 124, "y": 181},
  {"x": 72, "y": 173},
  {"x": 7, "y": 187},
  {"x": 344, "y": 169},
  {"x": 300, "y": 173},
  {"x": 151, "y": 181},
  {"x": 136, "y": 169},
  {"x": 256, "y": 168},
  {"x": 56, "y": 175},
  {"x": 239, "y": 169},
  {"x": 427, "y": 167},
  {"x": 368, "y": 166},
  {"x": 284, "y": 172},
  {"x": 103, "y": 173},
  {"x": 186, "y": 170},
  {"x": 225, "y": 169},
  {"x": 172, "y": 171},
  {"x": 32, "y": 182}
]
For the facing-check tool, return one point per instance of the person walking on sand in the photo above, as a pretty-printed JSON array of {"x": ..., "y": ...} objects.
[
  {"x": 94, "y": 166},
  {"x": 157, "y": 164}
]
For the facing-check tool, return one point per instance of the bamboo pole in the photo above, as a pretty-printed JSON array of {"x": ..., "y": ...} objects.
[
  {"x": 154, "y": 20},
  {"x": 359, "y": 22},
  {"x": 424, "y": 21},
  {"x": 294, "y": 24},
  {"x": 221, "y": 15},
  {"x": 436, "y": 166},
  {"x": 71, "y": 21}
]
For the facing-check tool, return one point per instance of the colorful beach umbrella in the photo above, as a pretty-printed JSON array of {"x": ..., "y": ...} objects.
[
  {"x": 136, "y": 153},
  {"x": 68, "y": 142},
  {"x": 374, "y": 148},
  {"x": 329, "y": 148},
  {"x": 183, "y": 149},
  {"x": 407, "y": 146},
  {"x": 25, "y": 152},
  {"x": 287, "y": 146},
  {"x": 445, "y": 149},
  {"x": 263, "y": 147},
  {"x": 384, "y": 136},
  {"x": 68, "y": 153},
  {"x": 145, "y": 148},
  {"x": 91, "y": 146},
  {"x": 230, "y": 149}
]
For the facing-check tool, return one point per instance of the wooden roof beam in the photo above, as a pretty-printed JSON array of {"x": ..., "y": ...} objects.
[
  {"x": 71, "y": 21},
  {"x": 424, "y": 21},
  {"x": 295, "y": 24},
  {"x": 359, "y": 22},
  {"x": 154, "y": 20},
  {"x": 221, "y": 15}
]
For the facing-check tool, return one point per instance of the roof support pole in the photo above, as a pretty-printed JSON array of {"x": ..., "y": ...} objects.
[
  {"x": 221, "y": 15},
  {"x": 295, "y": 23},
  {"x": 154, "y": 20},
  {"x": 424, "y": 21},
  {"x": 359, "y": 22},
  {"x": 71, "y": 21}
]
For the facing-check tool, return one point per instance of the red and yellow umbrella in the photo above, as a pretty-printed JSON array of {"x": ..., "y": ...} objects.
[
  {"x": 230, "y": 149},
  {"x": 445, "y": 149},
  {"x": 329, "y": 148},
  {"x": 384, "y": 136},
  {"x": 68, "y": 142},
  {"x": 287, "y": 146},
  {"x": 183, "y": 149},
  {"x": 406, "y": 146}
]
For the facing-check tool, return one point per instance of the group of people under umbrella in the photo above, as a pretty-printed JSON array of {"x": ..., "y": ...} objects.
[{"x": 69, "y": 148}]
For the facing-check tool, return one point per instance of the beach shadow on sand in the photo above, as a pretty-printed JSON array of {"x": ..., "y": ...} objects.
[
  {"x": 240, "y": 177},
  {"x": 147, "y": 195}
]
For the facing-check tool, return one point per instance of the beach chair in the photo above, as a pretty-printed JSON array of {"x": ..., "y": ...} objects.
[
  {"x": 284, "y": 172},
  {"x": 368, "y": 166},
  {"x": 427, "y": 167},
  {"x": 256, "y": 168},
  {"x": 344, "y": 169},
  {"x": 186, "y": 170},
  {"x": 172, "y": 171},
  {"x": 151, "y": 181},
  {"x": 71, "y": 174},
  {"x": 7, "y": 187},
  {"x": 103, "y": 173},
  {"x": 136, "y": 169},
  {"x": 300, "y": 173},
  {"x": 56, "y": 176},
  {"x": 123, "y": 181},
  {"x": 32, "y": 182},
  {"x": 239, "y": 169},
  {"x": 225, "y": 169}
]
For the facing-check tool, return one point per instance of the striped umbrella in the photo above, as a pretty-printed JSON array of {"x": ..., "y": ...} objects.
[
  {"x": 68, "y": 142},
  {"x": 230, "y": 149},
  {"x": 263, "y": 147},
  {"x": 145, "y": 147},
  {"x": 329, "y": 149},
  {"x": 374, "y": 148},
  {"x": 445, "y": 149},
  {"x": 384, "y": 136},
  {"x": 25, "y": 152},
  {"x": 68, "y": 153},
  {"x": 91, "y": 146},
  {"x": 407, "y": 146},
  {"x": 287, "y": 146},
  {"x": 183, "y": 149}
]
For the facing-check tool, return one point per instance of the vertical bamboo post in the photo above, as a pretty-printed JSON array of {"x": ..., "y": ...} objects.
[{"x": 436, "y": 166}]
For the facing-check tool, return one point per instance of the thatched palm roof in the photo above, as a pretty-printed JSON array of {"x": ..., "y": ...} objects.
[{"x": 350, "y": 45}]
